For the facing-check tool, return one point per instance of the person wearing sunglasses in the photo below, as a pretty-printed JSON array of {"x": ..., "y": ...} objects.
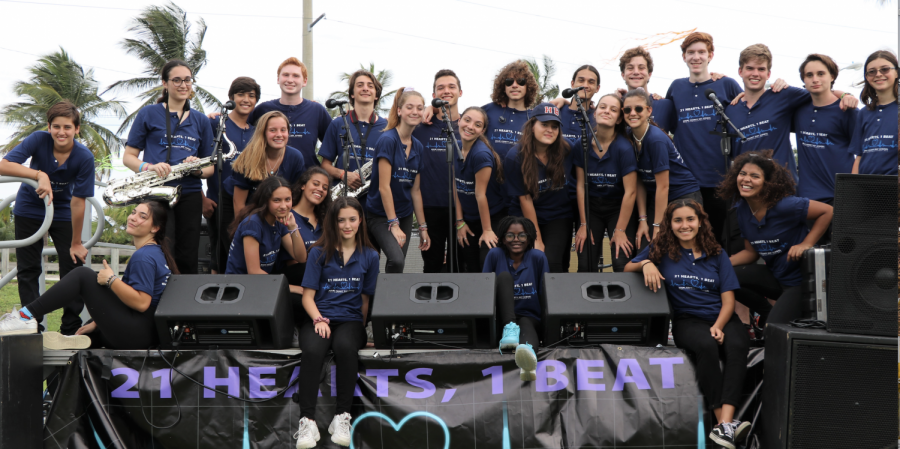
[
  {"x": 520, "y": 272},
  {"x": 515, "y": 90},
  {"x": 875, "y": 135}
]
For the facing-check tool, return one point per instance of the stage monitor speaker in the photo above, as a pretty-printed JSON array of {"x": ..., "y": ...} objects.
[
  {"x": 228, "y": 311},
  {"x": 434, "y": 310},
  {"x": 814, "y": 266},
  {"x": 862, "y": 284},
  {"x": 21, "y": 369},
  {"x": 828, "y": 391},
  {"x": 593, "y": 308}
]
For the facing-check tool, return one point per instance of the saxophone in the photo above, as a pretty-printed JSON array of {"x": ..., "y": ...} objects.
[
  {"x": 148, "y": 186},
  {"x": 365, "y": 173}
]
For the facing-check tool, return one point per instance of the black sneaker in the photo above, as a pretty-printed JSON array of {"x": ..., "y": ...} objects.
[
  {"x": 741, "y": 429},
  {"x": 723, "y": 435}
]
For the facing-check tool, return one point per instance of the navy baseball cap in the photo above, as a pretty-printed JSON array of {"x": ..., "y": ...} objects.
[{"x": 546, "y": 112}]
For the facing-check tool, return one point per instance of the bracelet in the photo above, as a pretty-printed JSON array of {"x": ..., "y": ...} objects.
[
  {"x": 391, "y": 223},
  {"x": 460, "y": 220},
  {"x": 655, "y": 225},
  {"x": 642, "y": 216},
  {"x": 291, "y": 231},
  {"x": 646, "y": 262},
  {"x": 460, "y": 226},
  {"x": 423, "y": 226},
  {"x": 620, "y": 230},
  {"x": 643, "y": 219},
  {"x": 321, "y": 319},
  {"x": 583, "y": 224},
  {"x": 112, "y": 278},
  {"x": 842, "y": 95},
  {"x": 37, "y": 175},
  {"x": 141, "y": 167}
]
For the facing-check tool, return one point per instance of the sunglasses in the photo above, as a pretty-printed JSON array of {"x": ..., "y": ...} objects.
[
  {"x": 871, "y": 72},
  {"x": 637, "y": 109},
  {"x": 520, "y": 236},
  {"x": 509, "y": 81}
]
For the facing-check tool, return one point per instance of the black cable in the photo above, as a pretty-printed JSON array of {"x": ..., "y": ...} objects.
[
  {"x": 808, "y": 323},
  {"x": 564, "y": 339},
  {"x": 141, "y": 400}
]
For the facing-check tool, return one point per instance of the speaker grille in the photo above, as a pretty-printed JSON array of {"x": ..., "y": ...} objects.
[
  {"x": 838, "y": 396},
  {"x": 865, "y": 205}
]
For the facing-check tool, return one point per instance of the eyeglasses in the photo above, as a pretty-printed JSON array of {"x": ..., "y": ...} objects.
[
  {"x": 637, "y": 109},
  {"x": 872, "y": 72},
  {"x": 520, "y": 236},
  {"x": 519, "y": 81},
  {"x": 179, "y": 81}
]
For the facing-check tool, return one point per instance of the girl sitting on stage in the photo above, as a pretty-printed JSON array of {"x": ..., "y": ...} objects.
[
  {"x": 612, "y": 184},
  {"x": 394, "y": 192},
  {"x": 339, "y": 280},
  {"x": 122, "y": 310},
  {"x": 700, "y": 284},
  {"x": 479, "y": 194},
  {"x": 312, "y": 198},
  {"x": 520, "y": 272},
  {"x": 774, "y": 224},
  {"x": 262, "y": 227}
]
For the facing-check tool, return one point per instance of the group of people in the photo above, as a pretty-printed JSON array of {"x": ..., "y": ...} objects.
[{"x": 653, "y": 179}]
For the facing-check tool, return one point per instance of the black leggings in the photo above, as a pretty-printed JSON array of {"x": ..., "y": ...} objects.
[
  {"x": 557, "y": 238},
  {"x": 383, "y": 240},
  {"x": 757, "y": 284},
  {"x": 692, "y": 333},
  {"x": 183, "y": 232},
  {"x": 346, "y": 339},
  {"x": 471, "y": 257},
  {"x": 604, "y": 217},
  {"x": 440, "y": 235},
  {"x": 220, "y": 243},
  {"x": 119, "y": 326},
  {"x": 506, "y": 312},
  {"x": 717, "y": 209}
]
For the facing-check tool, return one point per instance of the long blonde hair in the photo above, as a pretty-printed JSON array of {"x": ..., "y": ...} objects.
[
  {"x": 252, "y": 161},
  {"x": 400, "y": 98}
]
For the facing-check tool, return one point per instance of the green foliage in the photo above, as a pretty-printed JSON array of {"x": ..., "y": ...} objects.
[
  {"x": 543, "y": 72},
  {"x": 9, "y": 298},
  {"x": 7, "y": 226},
  {"x": 114, "y": 231},
  {"x": 384, "y": 77}
]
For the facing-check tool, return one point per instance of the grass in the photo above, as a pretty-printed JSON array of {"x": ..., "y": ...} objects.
[{"x": 9, "y": 298}]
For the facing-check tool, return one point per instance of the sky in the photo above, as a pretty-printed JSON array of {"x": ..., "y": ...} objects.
[{"x": 415, "y": 39}]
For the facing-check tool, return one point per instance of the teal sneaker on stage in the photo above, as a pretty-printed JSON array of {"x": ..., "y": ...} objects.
[
  {"x": 526, "y": 360},
  {"x": 510, "y": 337}
]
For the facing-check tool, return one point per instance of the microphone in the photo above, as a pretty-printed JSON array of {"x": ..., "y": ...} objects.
[
  {"x": 711, "y": 95},
  {"x": 437, "y": 103},
  {"x": 569, "y": 92},
  {"x": 332, "y": 103},
  {"x": 229, "y": 105}
]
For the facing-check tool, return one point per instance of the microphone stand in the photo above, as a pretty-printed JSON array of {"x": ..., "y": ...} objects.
[
  {"x": 218, "y": 152},
  {"x": 584, "y": 121},
  {"x": 347, "y": 144},
  {"x": 725, "y": 142},
  {"x": 451, "y": 205}
]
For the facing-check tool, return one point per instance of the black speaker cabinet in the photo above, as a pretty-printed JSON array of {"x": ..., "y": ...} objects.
[
  {"x": 594, "y": 308},
  {"x": 862, "y": 285},
  {"x": 21, "y": 369},
  {"x": 828, "y": 391},
  {"x": 229, "y": 311},
  {"x": 436, "y": 310}
]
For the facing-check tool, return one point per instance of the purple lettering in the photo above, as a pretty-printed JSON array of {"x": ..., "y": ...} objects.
[
  {"x": 295, "y": 374},
  {"x": 233, "y": 381},
  {"x": 130, "y": 381},
  {"x": 496, "y": 373},
  {"x": 544, "y": 375},
  {"x": 426, "y": 386},
  {"x": 356, "y": 391},
  {"x": 448, "y": 395},
  {"x": 165, "y": 382},
  {"x": 583, "y": 375},
  {"x": 668, "y": 372},
  {"x": 257, "y": 382},
  {"x": 381, "y": 380},
  {"x": 636, "y": 377}
]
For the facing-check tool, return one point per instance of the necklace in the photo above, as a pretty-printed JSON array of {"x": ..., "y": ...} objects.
[
  {"x": 755, "y": 211},
  {"x": 642, "y": 137},
  {"x": 277, "y": 163}
]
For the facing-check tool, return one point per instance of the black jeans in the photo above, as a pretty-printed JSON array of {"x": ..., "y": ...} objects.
[
  {"x": 757, "y": 284},
  {"x": 557, "y": 238},
  {"x": 29, "y": 267},
  {"x": 118, "y": 326},
  {"x": 440, "y": 235},
  {"x": 219, "y": 244},
  {"x": 183, "y": 232},
  {"x": 717, "y": 209},
  {"x": 604, "y": 217},
  {"x": 692, "y": 334},
  {"x": 346, "y": 339},
  {"x": 384, "y": 240},
  {"x": 506, "y": 312},
  {"x": 651, "y": 210},
  {"x": 471, "y": 257}
]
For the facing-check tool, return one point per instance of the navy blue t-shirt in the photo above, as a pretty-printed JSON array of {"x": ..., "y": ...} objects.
[
  {"x": 527, "y": 278},
  {"x": 570, "y": 128},
  {"x": 663, "y": 113},
  {"x": 767, "y": 126},
  {"x": 192, "y": 137},
  {"x": 823, "y": 147},
  {"x": 480, "y": 156},
  {"x": 658, "y": 154},
  {"x": 552, "y": 202},
  {"x": 604, "y": 175},
  {"x": 308, "y": 122},
  {"x": 148, "y": 272},
  {"x": 339, "y": 287},
  {"x": 309, "y": 234},
  {"x": 695, "y": 286},
  {"x": 783, "y": 227},
  {"x": 403, "y": 173},
  {"x": 269, "y": 238},
  {"x": 695, "y": 118},
  {"x": 75, "y": 177},
  {"x": 293, "y": 164},
  {"x": 875, "y": 139},
  {"x": 332, "y": 148},
  {"x": 504, "y": 126},
  {"x": 434, "y": 161},
  {"x": 239, "y": 137}
]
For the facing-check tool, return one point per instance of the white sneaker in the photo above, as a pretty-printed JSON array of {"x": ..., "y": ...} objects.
[
  {"x": 56, "y": 341},
  {"x": 340, "y": 429},
  {"x": 307, "y": 434},
  {"x": 12, "y": 324},
  {"x": 295, "y": 342},
  {"x": 526, "y": 360}
]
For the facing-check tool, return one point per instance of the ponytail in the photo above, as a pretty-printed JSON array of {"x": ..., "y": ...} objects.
[
  {"x": 160, "y": 214},
  {"x": 400, "y": 98}
]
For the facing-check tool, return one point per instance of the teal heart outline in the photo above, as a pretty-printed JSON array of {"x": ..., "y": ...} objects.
[{"x": 403, "y": 421}]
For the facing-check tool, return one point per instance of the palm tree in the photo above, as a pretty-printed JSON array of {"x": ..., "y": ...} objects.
[
  {"x": 163, "y": 34},
  {"x": 56, "y": 77},
  {"x": 546, "y": 90},
  {"x": 383, "y": 76}
]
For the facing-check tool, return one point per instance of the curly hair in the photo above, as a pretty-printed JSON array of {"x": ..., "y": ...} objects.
[
  {"x": 320, "y": 209},
  {"x": 527, "y": 225},
  {"x": 667, "y": 244},
  {"x": 635, "y": 52},
  {"x": 556, "y": 154},
  {"x": 778, "y": 182},
  {"x": 515, "y": 70}
]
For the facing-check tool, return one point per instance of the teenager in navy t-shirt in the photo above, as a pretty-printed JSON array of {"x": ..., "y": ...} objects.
[
  {"x": 514, "y": 89},
  {"x": 700, "y": 284},
  {"x": 875, "y": 136},
  {"x": 612, "y": 185},
  {"x": 122, "y": 309},
  {"x": 774, "y": 224},
  {"x": 588, "y": 78},
  {"x": 311, "y": 201},
  {"x": 636, "y": 67},
  {"x": 170, "y": 133},
  {"x": 395, "y": 191},
  {"x": 479, "y": 192},
  {"x": 64, "y": 171},
  {"x": 262, "y": 228},
  {"x": 337, "y": 287},
  {"x": 520, "y": 270}
]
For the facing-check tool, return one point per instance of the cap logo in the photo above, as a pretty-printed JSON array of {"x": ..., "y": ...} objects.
[{"x": 551, "y": 110}]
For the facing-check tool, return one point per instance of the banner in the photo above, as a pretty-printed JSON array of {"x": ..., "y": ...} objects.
[{"x": 615, "y": 396}]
